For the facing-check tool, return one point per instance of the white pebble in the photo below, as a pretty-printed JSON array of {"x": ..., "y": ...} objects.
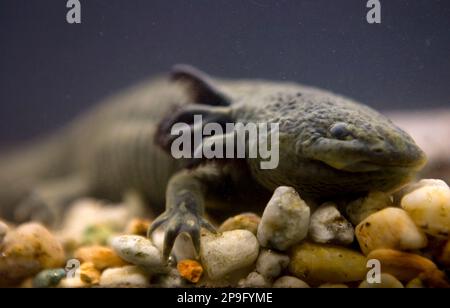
[
  {"x": 329, "y": 226},
  {"x": 127, "y": 276},
  {"x": 285, "y": 220},
  {"x": 429, "y": 207},
  {"x": 254, "y": 280},
  {"x": 290, "y": 282},
  {"x": 139, "y": 251},
  {"x": 227, "y": 252},
  {"x": 270, "y": 264}
]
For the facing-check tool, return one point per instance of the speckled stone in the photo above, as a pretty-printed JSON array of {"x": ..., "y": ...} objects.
[
  {"x": 227, "y": 252},
  {"x": 329, "y": 226},
  {"x": 140, "y": 251},
  {"x": 285, "y": 220}
]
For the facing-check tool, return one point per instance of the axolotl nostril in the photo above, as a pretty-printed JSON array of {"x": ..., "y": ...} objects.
[{"x": 328, "y": 146}]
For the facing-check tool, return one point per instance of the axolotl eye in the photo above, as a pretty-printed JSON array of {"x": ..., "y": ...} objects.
[{"x": 340, "y": 131}]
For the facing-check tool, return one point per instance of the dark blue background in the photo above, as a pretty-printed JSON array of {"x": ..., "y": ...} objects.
[{"x": 50, "y": 70}]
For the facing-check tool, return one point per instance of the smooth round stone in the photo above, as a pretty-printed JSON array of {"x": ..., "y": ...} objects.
[
  {"x": 386, "y": 281},
  {"x": 230, "y": 251},
  {"x": 415, "y": 283},
  {"x": 100, "y": 256},
  {"x": 329, "y": 226},
  {"x": 245, "y": 221},
  {"x": 404, "y": 266},
  {"x": 140, "y": 251},
  {"x": 290, "y": 282},
  {"x": 254, "y": 280},
  {"x": 389, "y": 228},
  {"x": 127, "y": 276},
  {"x": 285, "y": 220},
  {"x": 429, "y": 207},
  {"x": 27, "y": 250},
  {"x": 171, "y": 279},
  {"x": 48, "y": 278},
  {"x": 361, "y": 208},
  {"x": 320, "y": 263},
  {"x": 270, "y": 264},
  {"x": 333, "y": 286}
]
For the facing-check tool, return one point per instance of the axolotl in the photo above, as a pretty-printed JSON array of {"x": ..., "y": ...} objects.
[{"x": 329, "y": 147}]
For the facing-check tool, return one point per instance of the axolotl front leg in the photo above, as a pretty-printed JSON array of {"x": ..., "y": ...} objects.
[{"x": 185, "y": 204}]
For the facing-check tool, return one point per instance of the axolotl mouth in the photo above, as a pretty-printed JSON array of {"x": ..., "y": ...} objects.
[{"x": 356, "y": 157}]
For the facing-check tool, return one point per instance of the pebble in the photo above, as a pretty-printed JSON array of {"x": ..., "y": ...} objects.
[
  {"x": 415, "y": 283},
  {"x": 86, "y": 214},
  {"x": 190, "y": 270},
  {"x": 27, "y": 250},
  {"x": 100, "y": 256},
  {"x": 48, "y": 278},
  {"x": 227, "y": 252},
  {"x": 138, "y": 226},
  {"x": 270, "y": 264},
  {"x": 360, "y": 209},
  {"x": 429, "y": 207},
  {"x": 73, "y": 282},
  {"x": 140, "y": 251},
  {"x": 320, "y": 263},
  {"x": 329, "y": 226},
  {"x": 89, "y": 273},
  {"x": 127, "y": 276},
  {"x": 333, "y": 286},
  {"x": 254, "y": 280},
  {"x": 3, "y": 230},
  {"x": 171, "y": 279},
  {"x": 285, "y": 220},
  {"x": 97, "y": 235},
  {"x": 389, "y": 228},
  {"x": 404, "y": 266},
  {"x": 245, "y": 221},
  {"x": 444, "y": 257},
  {"x": 290, "y": 282},
  {"x": 387, "y": 281}
]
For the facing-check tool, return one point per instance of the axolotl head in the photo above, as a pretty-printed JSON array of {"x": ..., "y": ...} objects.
[
  {"x": 325, "y": 144},
  {"x": 330, "y": 145}
]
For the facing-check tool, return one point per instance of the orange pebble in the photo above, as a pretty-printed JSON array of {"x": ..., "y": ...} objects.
[{"x": 190, "y": 270}]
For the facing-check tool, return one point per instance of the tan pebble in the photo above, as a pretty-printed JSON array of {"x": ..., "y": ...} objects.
[
  {"x": 102, "y": 257},
  {"x": 27, "y": 250},
  {"x": 435, "y": 279},
  {"x": 245, "y": 221},
  {"x": 333, "y": 286},
  {"x": 444, "y": 258},
  {"x": 386, "y": 281},
  {"x": 320, "y": 263},
  {"x": 89, "y": 274},
  {"x": 429, "y": 207},
  {"x": 404, "y": 266},
  {"x": 138, "y": 226},
  {"x": 389, "y": 228},
  {"x": 360, "y": 209},
  {"x": 190, "y": 270},
  {"x": 416, "y": 283}
]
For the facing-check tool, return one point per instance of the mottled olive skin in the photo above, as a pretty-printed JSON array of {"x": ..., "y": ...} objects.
[{"x": 373, "y": 154}]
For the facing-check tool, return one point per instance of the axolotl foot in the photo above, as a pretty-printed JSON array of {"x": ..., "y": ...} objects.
[{"x": 176, "y": 221}]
